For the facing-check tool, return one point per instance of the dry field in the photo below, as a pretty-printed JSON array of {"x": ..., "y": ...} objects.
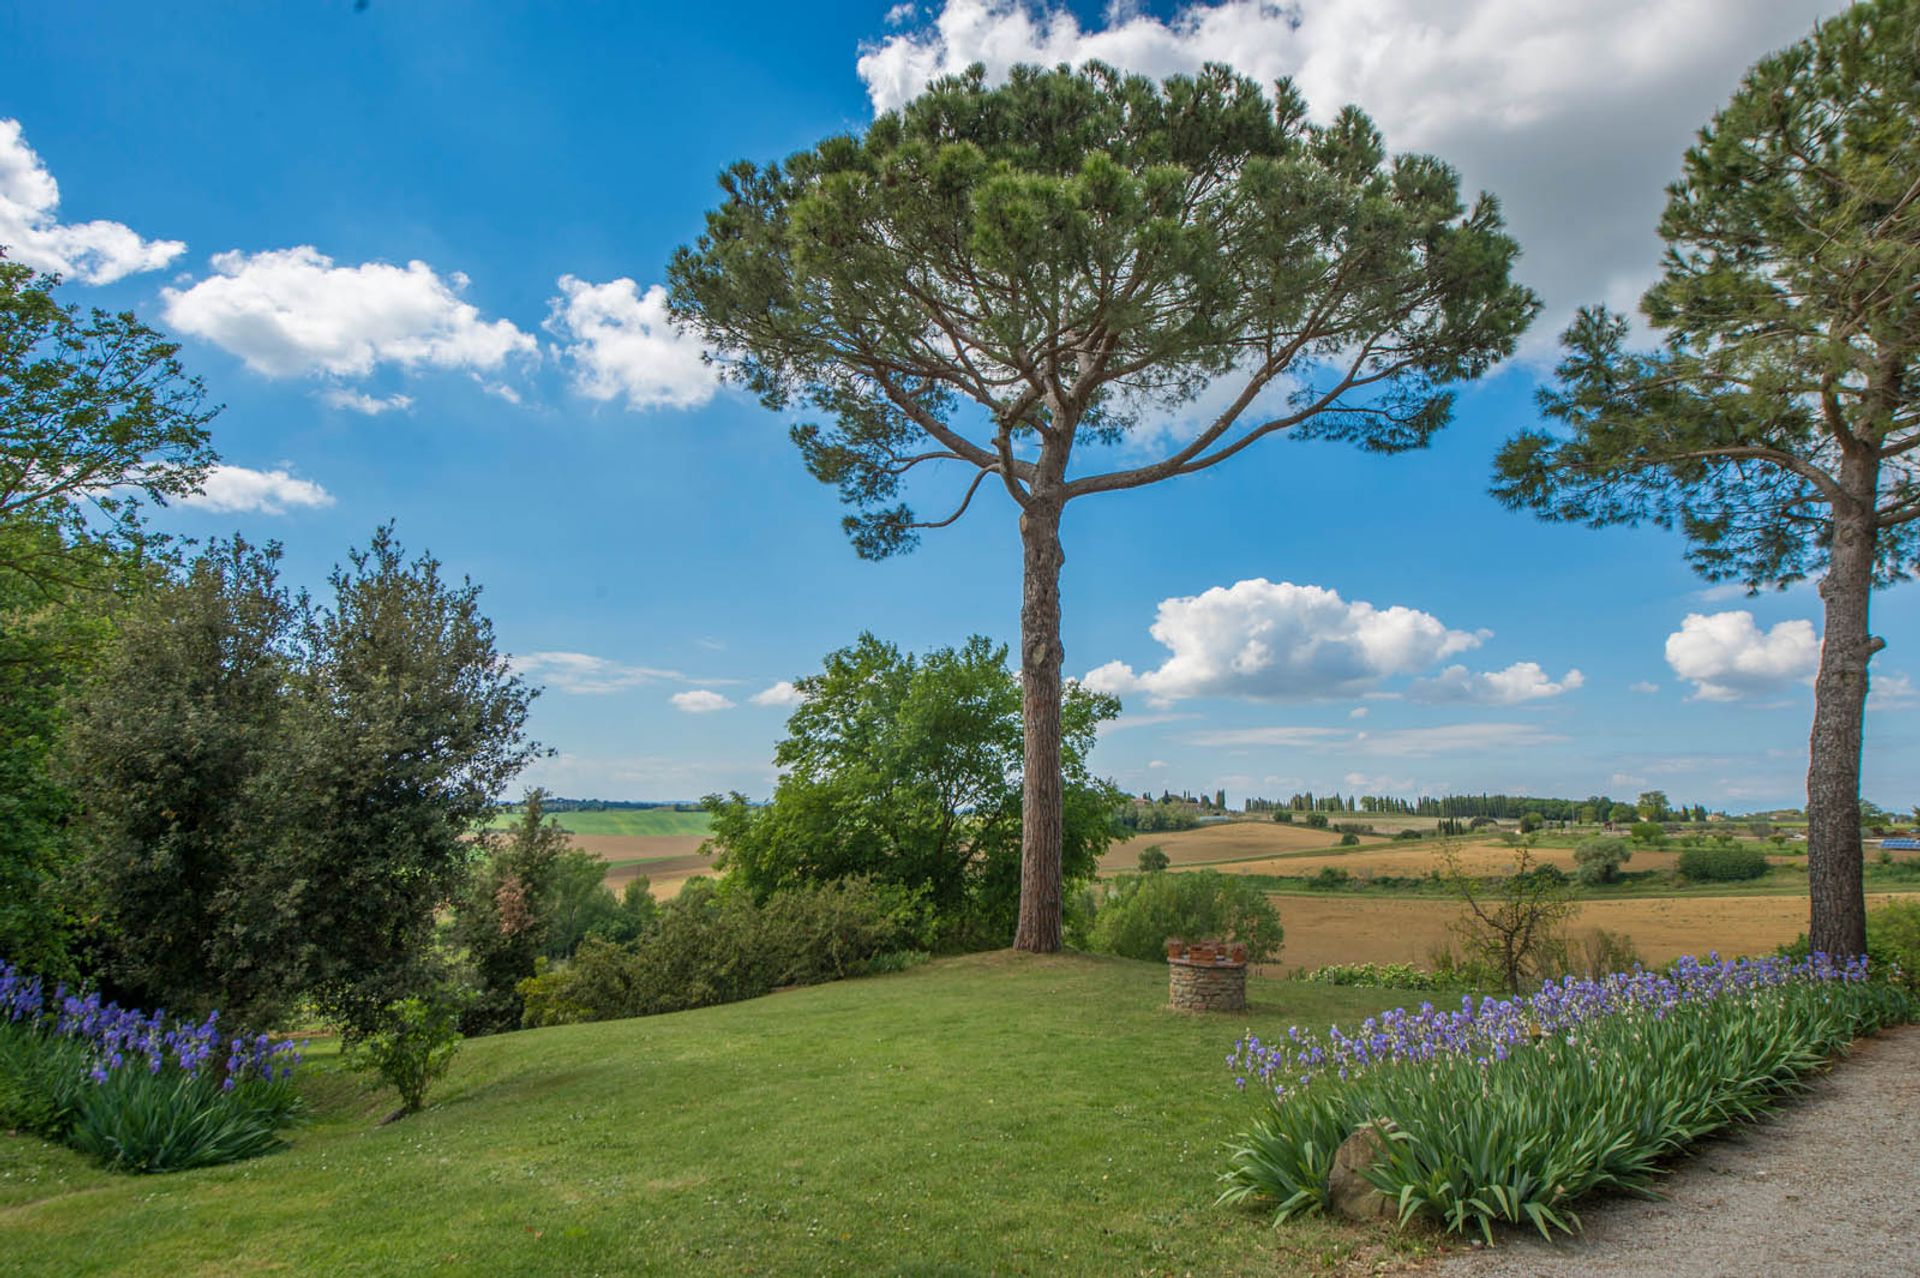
[
  {"x": 667, "y": 860},
  {"x": 1344, "y": 929},
  {"x": 1222, "y": 842}
]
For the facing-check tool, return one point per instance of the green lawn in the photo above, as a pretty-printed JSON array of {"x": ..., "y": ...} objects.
[
  {"x": 989, "y": 1114},
  {"x": 636, "y": 821}
]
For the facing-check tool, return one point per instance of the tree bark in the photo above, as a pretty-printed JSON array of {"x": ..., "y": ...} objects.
[
  {"x": 1838, "y": 906},
  {"x": 1041, "y": 783}
]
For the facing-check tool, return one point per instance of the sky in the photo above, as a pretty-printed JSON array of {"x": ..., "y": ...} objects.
[{"x": 416, "y": 250}]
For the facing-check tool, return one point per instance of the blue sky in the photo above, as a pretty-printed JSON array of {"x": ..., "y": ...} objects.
[{"x": 453, "y": 215}]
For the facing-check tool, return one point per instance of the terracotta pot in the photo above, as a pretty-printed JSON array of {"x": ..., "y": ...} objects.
[
  {"x": 1238, "y": 953},
  {"x": 1175, "y": 947}
]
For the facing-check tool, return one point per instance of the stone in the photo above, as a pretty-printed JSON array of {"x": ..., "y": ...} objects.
[{"x": 1348, "y": 1192}]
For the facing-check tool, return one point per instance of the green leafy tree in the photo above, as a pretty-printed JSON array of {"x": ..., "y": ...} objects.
[
  {"x": 97, "y": 417},
  {"x": 170, "y": 751},
  {"x": 1776, "y": 424},
  {"x": 409, "y": 722},
  {"x": 907, "y": 769},
  {"x": 1599, "y": 860},
  {"x": 276, "y": 797},
  {"x": 1653, "y": 805},
  {"x": 1004, "y": 281},
  {"x": 504, "y": 915},
  {"x": 1153, "y": 859}
]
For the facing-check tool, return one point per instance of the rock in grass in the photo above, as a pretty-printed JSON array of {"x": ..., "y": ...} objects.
[{"x": 1348, "y": 1193}]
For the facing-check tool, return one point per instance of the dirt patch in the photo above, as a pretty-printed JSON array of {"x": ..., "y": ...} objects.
[
  {"x": 1349, "y": 929},
  {"x": 1827, "y": 1187}
]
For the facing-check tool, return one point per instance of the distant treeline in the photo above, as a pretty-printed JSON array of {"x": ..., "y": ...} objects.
[
  {"x": 612, "y": 805},
  {"x": 1501, "y": 807}
]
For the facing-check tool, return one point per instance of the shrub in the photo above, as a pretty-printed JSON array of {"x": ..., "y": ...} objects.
[
  {"x": 1531, "y": 821},
  {"x": 1318, "y": 820},
  {"x": 1353, "y": 827},
  {"x": 1409, "y": 834},
  {"x": 715, "y": 945},
  {"x": 1511, "y": 1110},
  {"x": 1331, "y": 878},
  {"x": 1599, "y": 860},
  {"x": 1138, "y": 913},
  {"x": 1153, "y": 859},
  {"x": 1283, "y": 815},
  {"x": 1894, "y": 930},
  {"x": 1480, "y": 823},
  {"x": 1651, "y": 833},
  {"x": 1722, "y": 864},
  {"x": 1388, "y": 976},
  {"x": 1349, "y": 839},
  {"x": 135, "y": 1091},
  {"x": 414, "y": 1044}
]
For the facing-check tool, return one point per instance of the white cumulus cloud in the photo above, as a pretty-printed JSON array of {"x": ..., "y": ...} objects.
[
  {"x": 782, "y": 693},
  {"x": 1278, "y": 641},
  {"x": 699, "y": 701},
  {"x": 1726, "y": 656},
  {"x": 1521, "y": 681},
  {"x": 228, "y": 489},
  {"x": 288, "y": 312},
  {"x": 622, "y": 345},
  {"x": 1496, "y": 87},
  {"x": 32, "y": 233}
]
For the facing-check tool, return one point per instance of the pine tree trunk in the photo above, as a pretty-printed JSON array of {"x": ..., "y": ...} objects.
[
  {"x": 1838, "y": 904},
  {"x": 1041, "y": 783}
]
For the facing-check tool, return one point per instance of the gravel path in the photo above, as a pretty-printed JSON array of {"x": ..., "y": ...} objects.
[{"x": 1829, "y": 1186}]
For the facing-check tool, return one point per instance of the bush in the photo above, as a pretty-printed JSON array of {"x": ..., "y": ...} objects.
[
  {"x": 1388, "y": 976},
  {"x": 1283, "y": 815},
  {"x": 714, "y": 945},
  {"x": 1138, "y": 913},
  {"x": 1496, "y": 1121},
  {"x": 1318, "y": 820},
  {"x": 1651, "y": 833},
  {"x": 1531, "y": 821},
  {"x": 1894, "y": 931},
  {"x": 1153, "y": 859},
  {"x": 1409, "y": 835},
  {"x": 414, "y": 1045},
  {"x": 1331, "y": 878},
  {"x": 1349, "y": 839},
  {"x": 1599, "y": 860},
  {"x": 1722, "y": 864}
]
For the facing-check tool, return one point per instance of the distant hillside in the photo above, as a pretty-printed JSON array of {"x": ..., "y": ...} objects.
[{"x": 628, "y": 821}]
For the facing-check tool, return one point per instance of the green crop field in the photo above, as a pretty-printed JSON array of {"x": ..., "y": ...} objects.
[
  {"x": 639, "y": 822},
  {"x": 996, "y": 1113}
]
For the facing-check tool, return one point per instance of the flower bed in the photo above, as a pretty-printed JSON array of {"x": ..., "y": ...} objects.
[
  {"x": 132, "y": 1089},
  {"x": 1510, "y": 1109}
]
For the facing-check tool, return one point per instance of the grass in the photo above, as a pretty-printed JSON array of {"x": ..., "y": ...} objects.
[
  {"x": 625, "y": 821},
  {"x": 990, "y": 1114}
]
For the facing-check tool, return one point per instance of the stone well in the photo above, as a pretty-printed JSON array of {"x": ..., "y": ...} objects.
[{"x": 1206, "y": 976}]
